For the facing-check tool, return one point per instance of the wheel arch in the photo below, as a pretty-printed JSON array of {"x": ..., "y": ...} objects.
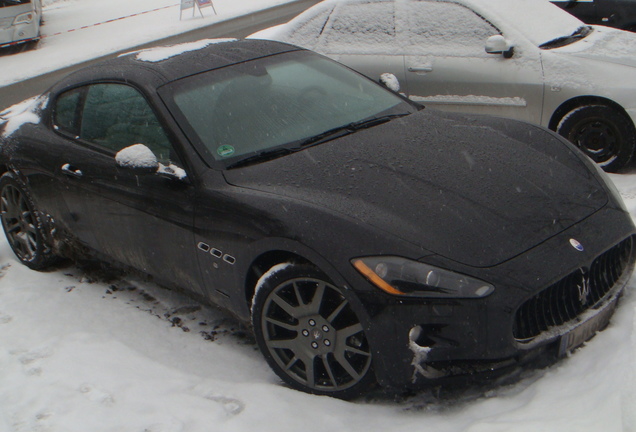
[
  {"x": 277, "y": 251},
  {"x": 581, "y": 101}
]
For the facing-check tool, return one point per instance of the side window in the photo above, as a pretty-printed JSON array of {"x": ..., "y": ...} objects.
[
  {"x": 365, "y": 28},
  {"x": 116, "y": 116},
  {"x": 66, "y": 112},
  {"x": 443, "y": 28}
]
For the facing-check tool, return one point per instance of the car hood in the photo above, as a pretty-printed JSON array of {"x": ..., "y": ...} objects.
[
  {"x": 606, "y": 45},
  {"x": 475, "y": 190}
]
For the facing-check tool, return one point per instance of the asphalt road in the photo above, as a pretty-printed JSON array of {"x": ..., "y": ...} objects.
[{"x": 237, "y": 28}]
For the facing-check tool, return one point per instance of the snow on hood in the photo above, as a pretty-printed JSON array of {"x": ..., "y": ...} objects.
[
  {"x": 607, "y": 45},
  {"x": 27, "y": 111},
  {"x": 163, "y": 53}
]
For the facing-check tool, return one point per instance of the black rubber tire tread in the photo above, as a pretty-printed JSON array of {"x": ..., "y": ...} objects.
[
  {"x": 24, "y": 225},
  {"x": 329, "y": 376},
  {"x": 603, "y": 133}
]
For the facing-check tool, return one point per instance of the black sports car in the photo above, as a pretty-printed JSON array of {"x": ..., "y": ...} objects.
[
  {"x": 367, "y": 239},
  {"x": 613, "y": 13}
]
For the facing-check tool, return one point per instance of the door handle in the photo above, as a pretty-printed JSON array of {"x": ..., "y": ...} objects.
[
  {"x": 420, "y": 69},
  {"x": 70, "y": 171}
]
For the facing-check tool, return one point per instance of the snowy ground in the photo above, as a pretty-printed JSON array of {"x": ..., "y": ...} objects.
[
  {"x": 78, "y": 30},
  {"x": 80, "y": 353}
]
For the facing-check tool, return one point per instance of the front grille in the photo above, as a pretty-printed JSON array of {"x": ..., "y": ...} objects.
[{"x": 577, "y": 292}]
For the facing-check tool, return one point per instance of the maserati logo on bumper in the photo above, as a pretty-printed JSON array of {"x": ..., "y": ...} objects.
[
  {"x": 577, "y": 245},
  {"x": 583, "y": 287}
]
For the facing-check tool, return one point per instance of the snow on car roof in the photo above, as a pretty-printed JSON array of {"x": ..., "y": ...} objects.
[
  {"x": 163, "y": 53},
  {"x": 538, "y": 20}
]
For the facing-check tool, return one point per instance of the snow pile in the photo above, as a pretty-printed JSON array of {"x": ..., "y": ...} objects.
[
  {"x": 27, "y": 111},
  {"x": 471, "y": 100},
  {"x": 166, "y": 52},
  {"x": 390, "y": 81},
  {"x": 136, "y": 156},
  {"x": 172, "y": 170}
]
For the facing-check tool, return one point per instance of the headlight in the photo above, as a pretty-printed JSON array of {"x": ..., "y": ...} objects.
[
  {"x": 404, "y": 277},
  {"x": 24, "y": 18}
]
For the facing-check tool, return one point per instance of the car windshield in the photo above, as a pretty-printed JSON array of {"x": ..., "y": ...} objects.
[
  {"x": 269, "y": 107},
  {"x": 541, "y": 22}
]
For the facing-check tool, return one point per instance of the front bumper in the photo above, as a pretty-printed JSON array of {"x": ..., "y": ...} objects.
[
  {"x": 414, "y": 340},
  {"x": 18, "y": 34}
]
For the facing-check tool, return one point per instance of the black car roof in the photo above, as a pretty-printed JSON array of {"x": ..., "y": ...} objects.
[{"x": 179, "y": 62}]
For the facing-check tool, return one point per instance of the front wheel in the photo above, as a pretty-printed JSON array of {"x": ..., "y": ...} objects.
[
  {"x": 23, "y": 225},
  {"x": 309, "y": 333},
  {"x": 604, "y": 134}
]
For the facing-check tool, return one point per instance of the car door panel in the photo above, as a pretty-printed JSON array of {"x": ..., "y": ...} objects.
[
  {"x": 143, "y": 220},
  {"x": 447, "y": 66}
]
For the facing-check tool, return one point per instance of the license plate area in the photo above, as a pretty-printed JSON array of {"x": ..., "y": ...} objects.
[{"x": 583, "y": 332}]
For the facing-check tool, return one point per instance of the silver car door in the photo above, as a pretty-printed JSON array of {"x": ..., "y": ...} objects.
[{"x": 448, "y": 68}]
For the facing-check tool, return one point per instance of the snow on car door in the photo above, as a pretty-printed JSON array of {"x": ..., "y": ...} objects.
[{"x": 447, "y": 66}]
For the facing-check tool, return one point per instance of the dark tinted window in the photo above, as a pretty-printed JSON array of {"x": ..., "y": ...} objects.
[
  {"x": 116, "y": 116},
  {"x": 66, "y": 112}
]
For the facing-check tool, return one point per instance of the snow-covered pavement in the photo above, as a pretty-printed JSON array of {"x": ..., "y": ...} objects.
[{"x": 78, "y": 30}]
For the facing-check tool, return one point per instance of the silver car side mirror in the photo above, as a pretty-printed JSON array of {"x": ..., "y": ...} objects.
[{"x": 497, "y": 44}]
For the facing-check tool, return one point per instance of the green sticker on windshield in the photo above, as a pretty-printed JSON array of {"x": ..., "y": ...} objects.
[{"x": 225, "y": 150}]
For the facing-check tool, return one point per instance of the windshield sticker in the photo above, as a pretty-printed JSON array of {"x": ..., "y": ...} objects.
[{"x": 225, "y": 150}]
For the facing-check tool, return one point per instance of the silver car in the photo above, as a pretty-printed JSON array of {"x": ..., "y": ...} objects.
[{"x": 522, "y": 59}]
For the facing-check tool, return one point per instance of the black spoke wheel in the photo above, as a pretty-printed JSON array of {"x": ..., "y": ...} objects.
[
  {"x": 310, "y": 335},
  {"x": 603, "y": 133},
  {"x": 22, "y": 225}
]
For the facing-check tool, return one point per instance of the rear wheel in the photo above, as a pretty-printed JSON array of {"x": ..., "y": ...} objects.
[
  {"x": 23, "y": 225},
  {"x": 606, "y": 135},
  {"x": 309, "y": 333}
]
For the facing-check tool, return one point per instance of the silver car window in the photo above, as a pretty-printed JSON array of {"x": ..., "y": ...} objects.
[
  {"x": 360, "y": 26},
  {"x": 442, "y": 28}
]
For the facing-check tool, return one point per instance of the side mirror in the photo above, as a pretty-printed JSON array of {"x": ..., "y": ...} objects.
[
  {"x": 137, "y": 158},
  {"x": 390, "y": 81},
  {"x": 498, "y": 45}
]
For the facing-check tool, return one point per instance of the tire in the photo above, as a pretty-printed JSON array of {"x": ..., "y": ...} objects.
[
  {"x": 604, "y": 134},
  {"x": 23, "y": 225},
  {"x": 309, "y": 334}
]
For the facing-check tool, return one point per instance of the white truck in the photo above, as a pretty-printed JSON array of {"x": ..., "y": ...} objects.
[{"x": 20, "y": 22}]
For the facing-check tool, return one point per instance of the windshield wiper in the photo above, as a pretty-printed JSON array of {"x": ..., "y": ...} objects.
[
  {"x": 262, "y": 156},
  {"x": 348, "y": 129},
  {"x": 580, "y": 33},
  {"x": 328, "y": 135}
]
